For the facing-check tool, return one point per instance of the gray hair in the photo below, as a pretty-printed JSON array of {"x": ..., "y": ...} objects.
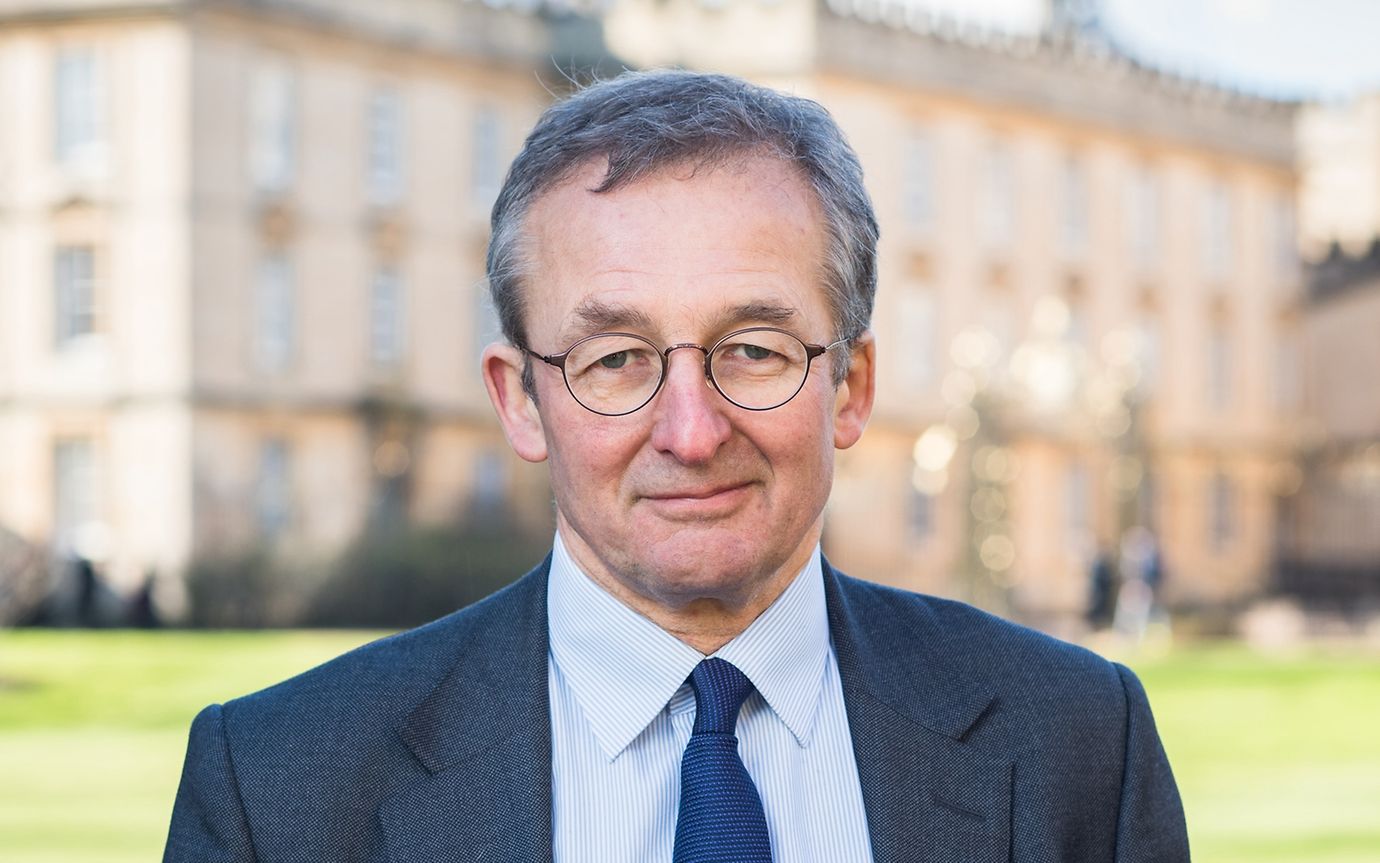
[{"x": 645, "y": 122}]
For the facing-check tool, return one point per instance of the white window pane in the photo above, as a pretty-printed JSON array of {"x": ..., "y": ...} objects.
[
  {"x": 486, "y": 155},
  {"x": 1143, "y": 219},
  {"x": 917, "y": 202},
  {"x": 918, "y": 337},
  {"x": 273, "y": 494},
  {"x": 1286, "y": 240},
  {"x": 385, "y": 140},
  {"x": 273, "y": 126},
  {"x": 78, "y": 108},
  {"x": 386, "y": 318},
  {"x": 74, "y": 293},
  {"x": 76, "y": 493},
  {"x": 999, "y": 199},
  {"x": 1217, "y": 232},
  {"x": 274, "y": 314},
  {"x": 1074, "y": 196},
  {"x": 486, "y": 324}
]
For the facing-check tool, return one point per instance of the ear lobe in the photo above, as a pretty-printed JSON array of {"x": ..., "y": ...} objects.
[
  {"x": 502, "y": 366},
  {"x": 853, "y": 401}
]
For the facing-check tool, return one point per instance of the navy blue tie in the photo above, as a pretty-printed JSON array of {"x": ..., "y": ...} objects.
[{"x": 721, "y": 818}]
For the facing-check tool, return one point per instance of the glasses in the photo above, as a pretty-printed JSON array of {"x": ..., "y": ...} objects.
[{"x": 758, "y": 369}]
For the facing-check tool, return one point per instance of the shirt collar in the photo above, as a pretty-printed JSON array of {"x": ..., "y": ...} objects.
[{"x": 623, "y": 669}]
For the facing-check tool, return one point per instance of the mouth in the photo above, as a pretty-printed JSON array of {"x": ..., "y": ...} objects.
[{"x": 698, "y": 502}]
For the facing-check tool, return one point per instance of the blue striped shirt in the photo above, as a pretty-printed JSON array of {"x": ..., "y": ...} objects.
[{"x": 621, "y": 714}]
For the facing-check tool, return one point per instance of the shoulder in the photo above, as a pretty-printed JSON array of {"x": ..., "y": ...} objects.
[
  {"x": 926, "y": 638},
  {"x": 379, "y": 683}
]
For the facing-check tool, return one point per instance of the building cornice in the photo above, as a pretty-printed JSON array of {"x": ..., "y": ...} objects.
[{"x": 1051, "y": 74}]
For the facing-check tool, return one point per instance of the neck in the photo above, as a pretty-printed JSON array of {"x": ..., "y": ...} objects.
[{"x": 704, "y": 622}]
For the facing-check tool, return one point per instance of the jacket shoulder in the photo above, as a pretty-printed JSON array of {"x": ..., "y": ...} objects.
[
  {"x": 929, "y": 636},
  {"x": 380, "y": 682}
]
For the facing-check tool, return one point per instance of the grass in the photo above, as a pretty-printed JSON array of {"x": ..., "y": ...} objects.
[{"x": 1277, "y": 757}]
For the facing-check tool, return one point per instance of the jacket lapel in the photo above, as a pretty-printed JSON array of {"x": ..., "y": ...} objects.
[
  {"x": 930, "y": 797},
  {"x": 484, "y": 737}
]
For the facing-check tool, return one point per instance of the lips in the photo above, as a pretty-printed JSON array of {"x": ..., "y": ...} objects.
[
  {"x": 695, "y": 493},
  {"x": 698, "y": 503}
]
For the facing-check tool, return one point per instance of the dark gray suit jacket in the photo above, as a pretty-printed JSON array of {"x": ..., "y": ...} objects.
[{"x": 976, "y": 740}]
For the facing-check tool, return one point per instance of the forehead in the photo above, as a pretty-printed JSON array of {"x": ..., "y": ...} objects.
[{"x": 678, "y": 252}]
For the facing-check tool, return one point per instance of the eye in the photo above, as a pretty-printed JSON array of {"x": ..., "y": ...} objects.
[
  {"x": 748, "y": 351},
  {"x": 615, "y": 360}
]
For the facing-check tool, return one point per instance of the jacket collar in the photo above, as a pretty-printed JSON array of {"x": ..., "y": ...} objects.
[
  {"x": 484, "y": 736},
  {"x": 930, "y": 796}
]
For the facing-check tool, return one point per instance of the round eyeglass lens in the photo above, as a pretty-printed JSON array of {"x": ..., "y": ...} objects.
[
  {"x": 759, "y": 368},
  {"x": 612, "y": 373}
]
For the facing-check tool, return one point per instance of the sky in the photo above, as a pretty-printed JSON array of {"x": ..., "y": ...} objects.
[{"x": 1317, "y": 49}]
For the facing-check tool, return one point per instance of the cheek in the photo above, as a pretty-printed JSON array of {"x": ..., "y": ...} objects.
[{"x": 586, "y": 455}]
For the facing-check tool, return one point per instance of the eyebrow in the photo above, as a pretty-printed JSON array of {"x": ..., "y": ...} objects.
[
  {"x": 595, "y": 316},
  {"x": 755, "y": 312}
]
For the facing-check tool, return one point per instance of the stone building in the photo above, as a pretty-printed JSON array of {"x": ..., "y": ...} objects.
[
  {"x": 1329, "y": 537},
  {"x": 243, "y": 244},
  {"x": 242, "y": 250}
]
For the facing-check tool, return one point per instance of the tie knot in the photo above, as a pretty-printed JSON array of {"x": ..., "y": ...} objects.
[{"x": 720, "y": 690}]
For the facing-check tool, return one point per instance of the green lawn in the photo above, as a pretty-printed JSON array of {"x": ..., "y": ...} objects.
[{"x": 1278, "y": 758}]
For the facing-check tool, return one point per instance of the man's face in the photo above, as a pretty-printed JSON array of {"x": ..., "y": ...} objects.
[{"x": 689, "y": 498}]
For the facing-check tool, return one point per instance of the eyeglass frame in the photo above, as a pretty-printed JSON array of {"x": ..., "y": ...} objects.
[{"x": 811, "y": 352}]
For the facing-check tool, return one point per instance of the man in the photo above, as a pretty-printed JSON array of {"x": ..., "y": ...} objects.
[{"x": 684, "y": 267}]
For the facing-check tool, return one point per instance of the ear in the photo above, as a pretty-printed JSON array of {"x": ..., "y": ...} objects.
[
  {"x": 502, "y": 368},
  {"x": 853, "y": 400}
]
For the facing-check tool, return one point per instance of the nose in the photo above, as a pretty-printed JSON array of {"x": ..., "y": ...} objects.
[{"x": 689, "y": 419}]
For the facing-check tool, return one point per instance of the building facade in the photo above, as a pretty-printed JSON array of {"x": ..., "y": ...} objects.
[
  {"x": 1329, "y": 535},
  {"x": 243, "y": 251}
]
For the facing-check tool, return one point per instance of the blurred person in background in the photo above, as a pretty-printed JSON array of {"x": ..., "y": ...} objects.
[{"x": 684, "y": 266}]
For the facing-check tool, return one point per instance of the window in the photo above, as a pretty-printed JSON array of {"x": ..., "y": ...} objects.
[
  {"x": 1221, "y": 368},
  {"x": 1221, "y": 512},
  {"x": 1077, "y": 505},
  {"x": 490, "y": 488},
  {"x": 917, "y": 183},
  {"x": 387, "y": 317},
  {"x": 916, "y": 321},
  {"x": 1074, "y": 197},
  {"x": 79, "y": 102},
  {"x": 486, "y": 159},
  {"x": 273, "y": 126},
  {"x": 486, "y": 324},
  {"x": 998, "y": 199},
  {"x": 1143, "y": 219},
  {"x": 385, "y": 134},
  {"x": 74, "y": 294},
  {"x": 274, "y": 318},
  {"x": 920, "y": 512},
  {"x": 1217, "y": 232},
  {"x": 76, "y": 492},
  {"x": 1288, "y": 371},
  {"x": 273, "y": 494},
  {"x": 1286, "y": 241}
]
